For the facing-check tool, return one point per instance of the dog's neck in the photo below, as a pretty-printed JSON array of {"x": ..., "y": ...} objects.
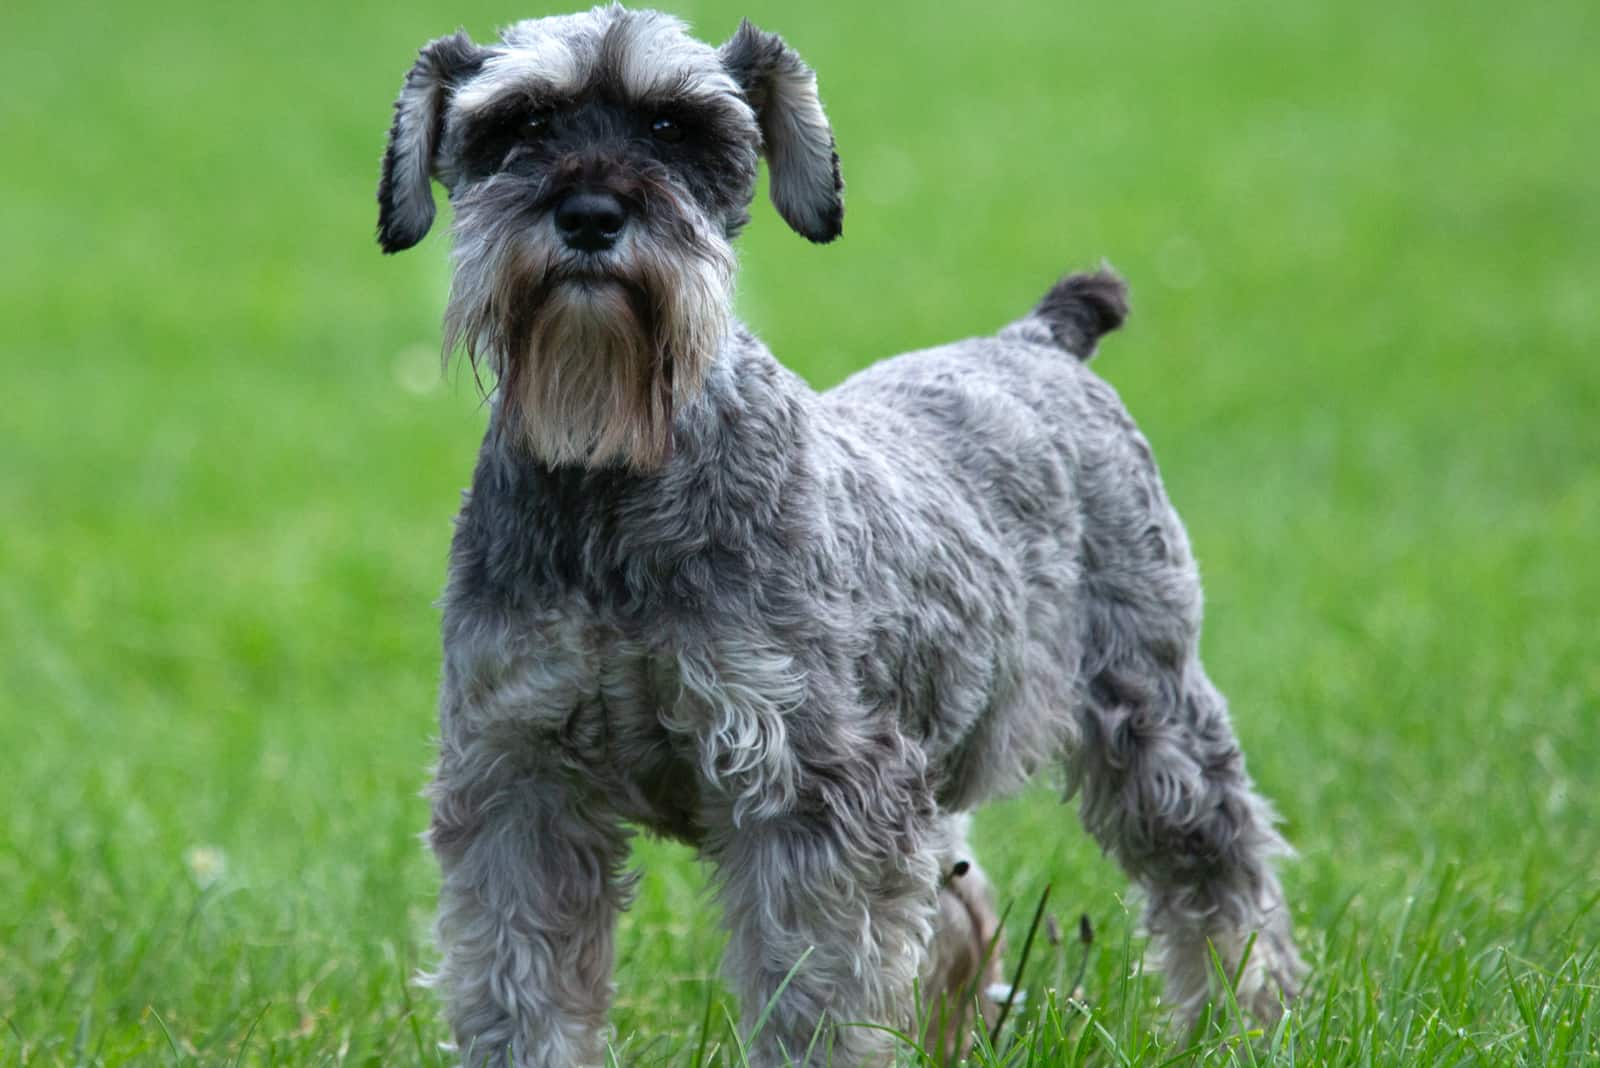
[
  {"x": 743, "y": 383},
  {"x": 630, "y": 542}
]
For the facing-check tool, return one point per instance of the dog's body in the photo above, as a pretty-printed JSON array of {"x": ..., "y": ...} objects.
[{"x": 803, "y": 633}]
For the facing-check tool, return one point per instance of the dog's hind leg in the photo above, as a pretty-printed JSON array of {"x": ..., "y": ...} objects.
[
  {"x": 1163, "y": 780},
  {"x": 1165, "y": 791}
]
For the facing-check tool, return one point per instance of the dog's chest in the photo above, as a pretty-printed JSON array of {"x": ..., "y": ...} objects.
[{"x": 565, "y": 689}]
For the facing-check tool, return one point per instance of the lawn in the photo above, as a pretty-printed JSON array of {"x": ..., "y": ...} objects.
[{"x": 1364, "y": 244}]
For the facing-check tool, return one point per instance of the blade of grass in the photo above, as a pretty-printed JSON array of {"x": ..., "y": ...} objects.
[
  {"x": 766, "y": 1010},
  {"x": 705, "y": 1027},
  {"x": 171, "y": 1042},
  {"x": 1022, "y": 965},
  {"x": 245, "y": 1041},
  {"x": 411, "y": 1013}
]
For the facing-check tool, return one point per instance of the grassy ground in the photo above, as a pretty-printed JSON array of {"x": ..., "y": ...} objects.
[{"x": 1364, "y": 240}]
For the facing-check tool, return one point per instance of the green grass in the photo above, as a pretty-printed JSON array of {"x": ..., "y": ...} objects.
[{"x": 1364, "y": 240}]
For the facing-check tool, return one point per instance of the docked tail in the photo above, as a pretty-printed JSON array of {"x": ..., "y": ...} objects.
[{"x": 1077, "y": 312}]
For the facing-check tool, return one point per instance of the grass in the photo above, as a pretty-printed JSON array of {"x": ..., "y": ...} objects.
[{"x": 1364, "y": 240}]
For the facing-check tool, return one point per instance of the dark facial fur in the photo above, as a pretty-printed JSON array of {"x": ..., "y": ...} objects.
[{"x": 600, "y": 133}]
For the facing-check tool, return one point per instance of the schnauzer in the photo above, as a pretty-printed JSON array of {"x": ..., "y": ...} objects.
[{"x": 803, "y": 633}]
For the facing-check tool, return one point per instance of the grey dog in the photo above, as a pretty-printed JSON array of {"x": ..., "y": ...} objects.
[{"x": 803, "y": 633}]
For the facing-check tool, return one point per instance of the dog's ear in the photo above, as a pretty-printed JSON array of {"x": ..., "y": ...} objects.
[
  {"x": 802, "y": 166},
  {"x": 405, "y": 202}
]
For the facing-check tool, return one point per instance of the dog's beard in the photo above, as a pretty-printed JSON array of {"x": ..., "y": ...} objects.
[{"x": 592, "y": 359}]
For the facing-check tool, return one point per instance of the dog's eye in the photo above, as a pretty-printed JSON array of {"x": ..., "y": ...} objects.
[
  {"x": 538, "y": 124},
  {"x": 667, "y": 130}
]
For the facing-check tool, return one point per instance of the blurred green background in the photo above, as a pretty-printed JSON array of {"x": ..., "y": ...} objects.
[{"x": 1364, "y": 246}]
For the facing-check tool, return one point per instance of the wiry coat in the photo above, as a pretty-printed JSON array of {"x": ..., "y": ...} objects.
[
  {"x": 807, "y": 638},
  {"x": 832, "y": 619}
]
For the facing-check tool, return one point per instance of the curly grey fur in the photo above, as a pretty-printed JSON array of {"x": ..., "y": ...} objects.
[{"x": 811, "y": 631}]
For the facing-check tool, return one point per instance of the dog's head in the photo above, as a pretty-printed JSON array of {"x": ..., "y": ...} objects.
[{"x": 599, "y": 165}]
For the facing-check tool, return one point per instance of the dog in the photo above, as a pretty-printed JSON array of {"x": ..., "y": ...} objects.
[{"x": 803, "y": 633}]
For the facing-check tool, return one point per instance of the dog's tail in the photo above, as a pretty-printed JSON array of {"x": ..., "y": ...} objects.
[{"x": 1077, "y": 312}]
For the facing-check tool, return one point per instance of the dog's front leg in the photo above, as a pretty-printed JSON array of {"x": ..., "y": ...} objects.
[
  {"x": 823, "y": 936},
  {"x": 531, "y": 889},
  {"x": 827, "y": 849}
]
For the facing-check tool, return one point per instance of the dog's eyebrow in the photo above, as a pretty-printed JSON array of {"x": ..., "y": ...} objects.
[
  {"x": 688, "y": 87},
  {"x": 679, "y": 106},
  {"x": 687, "y": 91},
  {"x": 551, "y": 70}
]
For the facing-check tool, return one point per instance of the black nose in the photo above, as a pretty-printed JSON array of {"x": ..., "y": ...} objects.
[{"x": 590, "y": 220}]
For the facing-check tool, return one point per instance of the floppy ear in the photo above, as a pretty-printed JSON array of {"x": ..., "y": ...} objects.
[
  {"x": 405, "y": 202},
  {"x": 803, "y": 168}
]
